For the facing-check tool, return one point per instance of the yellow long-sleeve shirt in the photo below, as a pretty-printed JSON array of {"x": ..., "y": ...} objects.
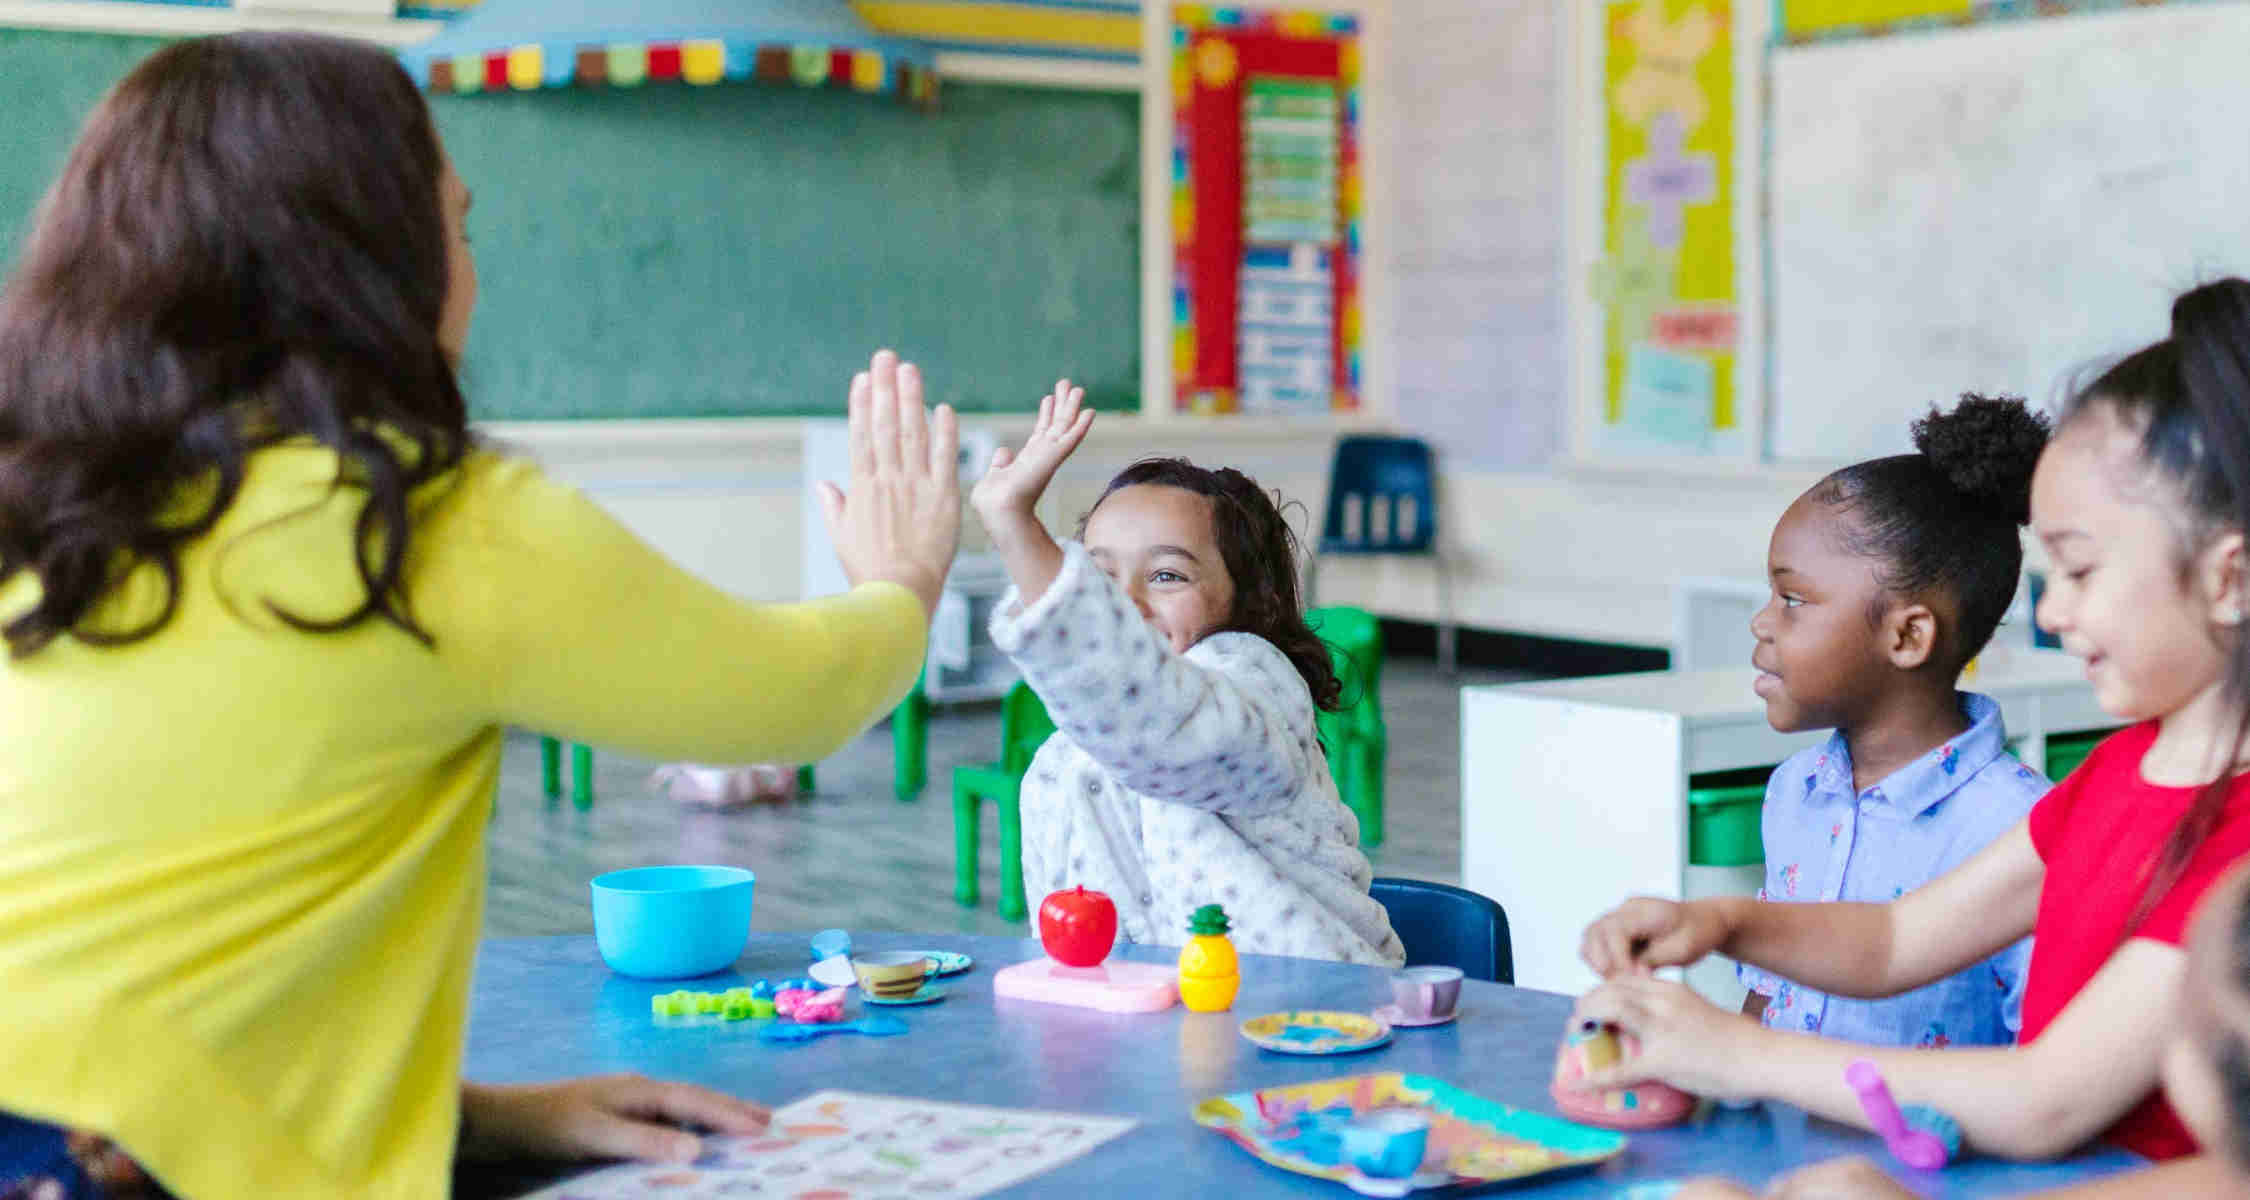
[{"x": 242, "y": 866}]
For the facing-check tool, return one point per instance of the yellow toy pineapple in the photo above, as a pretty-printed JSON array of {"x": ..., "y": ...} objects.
[{"x": 1209, "y": 973}]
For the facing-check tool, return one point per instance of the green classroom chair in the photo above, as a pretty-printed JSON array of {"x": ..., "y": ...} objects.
[
  {"x": 1357, "y": 742},
  {"x": 910, "y": 741},
  {"x": 910, "y": 734},
  {"x": 582, "y": 772},
  {"x": 1024, "y": 725}
]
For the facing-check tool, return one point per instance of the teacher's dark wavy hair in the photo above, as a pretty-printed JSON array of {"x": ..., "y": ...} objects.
[{"x": 245, "y": 247}]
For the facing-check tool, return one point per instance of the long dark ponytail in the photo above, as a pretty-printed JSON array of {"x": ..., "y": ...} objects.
[
  {"x": 2189, "y": 395},
  {"x": 245, "y": 247}
]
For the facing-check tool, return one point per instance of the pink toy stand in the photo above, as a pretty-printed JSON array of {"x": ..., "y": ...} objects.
[
  {"x": 1642, "y": 1106},
  {"x": 1118, "y": 987}
]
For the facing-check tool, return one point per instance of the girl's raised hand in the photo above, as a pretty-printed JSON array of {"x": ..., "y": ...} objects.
[
  {"x": 1016, "y": 479},
  {"x": 901, "y": 520},
  {"x": 1645, "y": 933},
  {"x": 1684, "y": 1040}
]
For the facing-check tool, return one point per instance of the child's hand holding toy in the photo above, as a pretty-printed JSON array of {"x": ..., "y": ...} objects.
[{"x": 1683, "y": 1039}]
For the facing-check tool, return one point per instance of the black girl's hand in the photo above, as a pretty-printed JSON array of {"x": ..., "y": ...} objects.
[{"x": 1645, "y": 933}]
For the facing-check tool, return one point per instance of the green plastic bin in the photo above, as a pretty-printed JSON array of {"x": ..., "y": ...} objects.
[
  {"x": 1724, "y": 811},
  {"x": 2065, "y": 751}
]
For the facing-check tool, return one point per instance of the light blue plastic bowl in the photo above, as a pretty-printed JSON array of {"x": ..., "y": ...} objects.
[{"x": 672, "y": 922}]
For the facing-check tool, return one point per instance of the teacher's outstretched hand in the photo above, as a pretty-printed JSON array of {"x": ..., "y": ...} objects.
[{"x": 900, "y": 520}]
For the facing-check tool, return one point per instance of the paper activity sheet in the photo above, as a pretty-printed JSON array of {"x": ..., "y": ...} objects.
[{"x": 835, "y": 1145}]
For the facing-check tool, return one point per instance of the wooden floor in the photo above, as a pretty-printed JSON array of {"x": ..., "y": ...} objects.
[{"x": 854, "y": 857}]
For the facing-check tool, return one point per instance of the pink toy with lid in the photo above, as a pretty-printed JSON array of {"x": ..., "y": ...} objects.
[{"x": 1593, "y": 1046}]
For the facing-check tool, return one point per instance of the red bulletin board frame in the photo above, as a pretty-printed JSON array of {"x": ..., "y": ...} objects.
[{"x": 1214, "y": 52}]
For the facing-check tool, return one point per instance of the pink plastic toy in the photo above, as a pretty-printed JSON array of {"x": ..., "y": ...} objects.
[
  {"x": 1922, "y": 1138},
  {"x": 786, "y": 1000},
  {"x": 1114, "y": 986},
  {"x": 1593, "y": 1046},
  {"x": 821, "y": 1008}
]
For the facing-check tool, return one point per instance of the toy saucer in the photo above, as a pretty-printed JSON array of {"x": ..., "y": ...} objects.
[
  {"x": 1316, "y": 1032},
  {"x": 1390, "y": 1015},
  {"x": 836, "y": 970},
  {"x": 925, "y": 994},
  {"x": 946, "y": 962}
]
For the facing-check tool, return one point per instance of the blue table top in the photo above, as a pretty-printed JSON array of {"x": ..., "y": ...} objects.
[{"x": 547, "y": 1008}]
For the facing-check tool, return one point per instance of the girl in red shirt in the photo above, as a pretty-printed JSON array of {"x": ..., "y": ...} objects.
[{"x": 2141, "y": 499}]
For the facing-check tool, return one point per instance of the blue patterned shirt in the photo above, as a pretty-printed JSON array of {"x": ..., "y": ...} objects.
[{"x": 1825, "y": 842}]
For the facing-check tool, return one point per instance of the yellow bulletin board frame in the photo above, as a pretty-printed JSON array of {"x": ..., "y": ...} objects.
[{"x": 1663, "y": 240}]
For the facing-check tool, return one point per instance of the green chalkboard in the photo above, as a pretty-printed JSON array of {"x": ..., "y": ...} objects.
[{"x": 673, "y": 251}]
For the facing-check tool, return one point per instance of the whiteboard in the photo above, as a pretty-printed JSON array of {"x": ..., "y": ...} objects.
[{"x": 1994, "y": 209}]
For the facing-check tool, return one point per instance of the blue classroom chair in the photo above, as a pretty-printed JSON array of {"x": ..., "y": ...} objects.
[
  {"x": 1382, "y": 499},
  {"x": 1446, "y": 926}
]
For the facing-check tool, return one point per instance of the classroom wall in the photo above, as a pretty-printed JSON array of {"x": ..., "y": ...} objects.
[{"x": 1473, "y": 107}]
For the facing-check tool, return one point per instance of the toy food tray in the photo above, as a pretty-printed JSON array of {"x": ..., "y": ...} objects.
[{"x": 1472, "y": 1140}]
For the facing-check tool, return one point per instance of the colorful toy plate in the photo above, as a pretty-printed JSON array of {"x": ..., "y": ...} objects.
[
  {"x": 928, "y": 992},
  {"x": 1472, "y": 1140},
  {"x": 1316, "y": 1032}
]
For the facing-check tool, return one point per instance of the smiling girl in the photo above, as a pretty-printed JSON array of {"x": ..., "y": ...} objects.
[
  {"x": 2141, "y": 500},
  {"x": 1169, "y": 647},
  {"x": 1888, "y": 576}
]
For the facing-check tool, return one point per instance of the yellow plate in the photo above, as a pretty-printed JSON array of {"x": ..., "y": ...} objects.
[{"x": 1301, "y": 1032}]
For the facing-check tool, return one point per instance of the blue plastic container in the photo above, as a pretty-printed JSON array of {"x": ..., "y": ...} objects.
[
  {"x": 1387, "y": 1143},
  {"x": 672, "y": 922}
]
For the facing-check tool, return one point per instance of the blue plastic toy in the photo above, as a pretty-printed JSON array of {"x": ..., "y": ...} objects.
[
  {"x": 672, "y": 922},
  {"x": 829, "y": 943},
  {"x": 875, "y": 1026}
]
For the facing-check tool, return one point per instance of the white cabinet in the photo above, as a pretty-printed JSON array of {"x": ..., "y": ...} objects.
[{"x": 1574, "y": 792}]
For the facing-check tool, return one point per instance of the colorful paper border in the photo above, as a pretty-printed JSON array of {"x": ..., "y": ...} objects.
[
  {"x": 700, "y": 62},
  {"x": 1191, "y": 394}
]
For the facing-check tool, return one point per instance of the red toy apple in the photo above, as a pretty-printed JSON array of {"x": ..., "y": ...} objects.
[{"x": 1077, "y": 927}]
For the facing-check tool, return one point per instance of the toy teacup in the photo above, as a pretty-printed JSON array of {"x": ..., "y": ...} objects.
[
  {"x": 1387, "y": 1143},
  {"x": 891, "y": 974}
]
